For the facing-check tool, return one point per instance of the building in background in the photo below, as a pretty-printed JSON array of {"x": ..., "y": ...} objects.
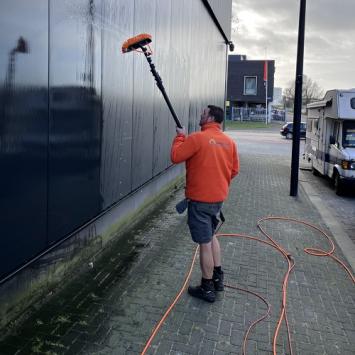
[
  {"x": 84, "y": 133},
  {"x": 246, "y": 85}
]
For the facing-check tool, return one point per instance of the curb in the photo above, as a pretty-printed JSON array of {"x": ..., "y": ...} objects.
[{"x": 341, "y": 237}]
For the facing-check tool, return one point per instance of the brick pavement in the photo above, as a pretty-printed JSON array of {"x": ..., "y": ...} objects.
[
  {"x": 342, "y": 207},
  {"x": 112, "y": 308}
]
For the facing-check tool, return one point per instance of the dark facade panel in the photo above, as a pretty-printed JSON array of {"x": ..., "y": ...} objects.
[
  {"x": 89, "y": 125},
  {"x": 238, "y": 69},
  {"x": 117, "y": 102},
  {"x": 23, "y": 130},
  {"x": 162, "y": 116},
  {"x": 75, "y": 115},
  {"x": 179, "y": 60},
  {"x": 207, "y": 73},
  {"x": 143, "y": 101},
  {"x": 223, "y": 12}
]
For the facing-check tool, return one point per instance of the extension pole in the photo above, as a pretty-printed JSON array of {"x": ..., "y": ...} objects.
[
  {"x": 297, "y": 111},
  {"x": 160, "y": 85}
]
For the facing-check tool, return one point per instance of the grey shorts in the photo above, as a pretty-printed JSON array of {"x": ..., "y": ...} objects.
[{"x": 202, "y": 219}]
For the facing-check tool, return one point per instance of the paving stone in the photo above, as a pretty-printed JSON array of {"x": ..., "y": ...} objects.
[
  {"x": 207, "y": 347},
  {"x": 114, "y": 308},
  {"x": 185, "y": 349}
]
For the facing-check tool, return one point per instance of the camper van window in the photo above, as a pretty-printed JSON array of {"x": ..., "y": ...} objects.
[
  {"x": 352, "y": 103},
  {"x": 336, "y": 131},
  {"x": 316, "y": 124},
  {"x": 349, "y": 134}
]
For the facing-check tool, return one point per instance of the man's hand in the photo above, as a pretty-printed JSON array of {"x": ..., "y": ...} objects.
[{"x": 180, "y": 130}]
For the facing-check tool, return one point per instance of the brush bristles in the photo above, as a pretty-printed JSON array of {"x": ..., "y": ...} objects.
[{"x": 136, "y": 42}]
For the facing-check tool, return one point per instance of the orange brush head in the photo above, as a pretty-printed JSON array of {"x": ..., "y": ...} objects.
[{"x": 136, "y": 42}]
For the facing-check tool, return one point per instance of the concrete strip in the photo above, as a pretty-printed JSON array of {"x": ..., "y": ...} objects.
[{"x": 344, "y": 242}]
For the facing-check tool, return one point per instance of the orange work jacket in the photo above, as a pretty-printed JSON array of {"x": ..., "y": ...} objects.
[{"x": 211, "y": 162}]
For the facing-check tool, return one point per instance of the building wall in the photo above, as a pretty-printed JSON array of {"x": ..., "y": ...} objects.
[
  {"x": 83, "y": 126},
  {"x": 237, "y": 69}
]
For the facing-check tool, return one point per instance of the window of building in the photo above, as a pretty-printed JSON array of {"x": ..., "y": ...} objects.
[{"x": 250, "y": 85}]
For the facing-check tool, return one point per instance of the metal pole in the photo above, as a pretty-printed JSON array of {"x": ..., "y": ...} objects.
[
  {"x": 266, "y": 111},
  {"x": 297, "y": 111},
  {"x": 266, "y": 77},
  {"x": 225, "y": 92}
]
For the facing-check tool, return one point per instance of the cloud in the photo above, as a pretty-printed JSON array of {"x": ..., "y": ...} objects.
[{"x": 271, "y": 27}]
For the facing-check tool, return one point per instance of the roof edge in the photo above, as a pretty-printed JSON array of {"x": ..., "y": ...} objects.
[{"x": 215, "y": 20}]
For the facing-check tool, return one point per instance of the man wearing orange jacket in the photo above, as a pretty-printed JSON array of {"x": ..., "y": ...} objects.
[{"x": 211, "y": 162}]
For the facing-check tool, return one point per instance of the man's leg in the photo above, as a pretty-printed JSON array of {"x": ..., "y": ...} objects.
[
  {"x": 199, "y": 224},
  {"x": 206, "y": 260},
  {"x": 216, "y": 251},
  {"x": 218, "y": 276},
  {"x": 206, "y": 290}
]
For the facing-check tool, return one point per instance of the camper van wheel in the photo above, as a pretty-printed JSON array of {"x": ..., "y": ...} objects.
[
  {"x": 338, "y": 184},
  {"x": 289, "y": 136}
]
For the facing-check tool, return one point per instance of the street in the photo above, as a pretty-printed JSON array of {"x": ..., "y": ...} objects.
[
  {"x": 269, "y": 142},
  {"x": 264, "y": 141}
]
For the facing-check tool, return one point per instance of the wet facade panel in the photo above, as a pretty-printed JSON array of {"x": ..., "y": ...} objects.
[
  {"x": 181, "y": 51},
  {"x": 143, "y": 100},
  {"x": 117, "y": 102},
  {"x": 75, "y": 115},
  {"x": 162, "y": 117},
  {"x": 23, "y": 131},
  {"x": 207, "y": 72},
  {"x": 82, "y": 125}
]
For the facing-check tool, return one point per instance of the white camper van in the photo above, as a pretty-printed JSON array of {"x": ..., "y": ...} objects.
[{"x": 330, "y": 137}]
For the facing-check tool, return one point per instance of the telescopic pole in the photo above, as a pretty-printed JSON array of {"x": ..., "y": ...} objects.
[{"x": 160, "y": 85}]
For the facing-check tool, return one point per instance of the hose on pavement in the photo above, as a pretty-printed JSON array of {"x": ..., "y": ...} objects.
[{"x": 290, "y": 266}]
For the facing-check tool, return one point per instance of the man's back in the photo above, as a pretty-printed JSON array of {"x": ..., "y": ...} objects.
[{"x": 211, "y": 162}]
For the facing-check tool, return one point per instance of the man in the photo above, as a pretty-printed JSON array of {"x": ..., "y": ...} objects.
[{"x": 211, "y": 162}]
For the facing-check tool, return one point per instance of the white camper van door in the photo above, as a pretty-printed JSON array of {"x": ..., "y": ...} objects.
[{"x": 319, "y": 161}]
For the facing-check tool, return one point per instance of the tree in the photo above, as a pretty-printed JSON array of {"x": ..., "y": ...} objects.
[{"x": 311, "y": 91}]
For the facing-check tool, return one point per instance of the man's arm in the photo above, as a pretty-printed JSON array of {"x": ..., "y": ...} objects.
[
  {"x": 235, "y": 168},
  {"x": 183, "y": 147}
]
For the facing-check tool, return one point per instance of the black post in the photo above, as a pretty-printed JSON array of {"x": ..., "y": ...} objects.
[
  {"x": 297, "y": 110},
  {"x": 159, "y": 83}
]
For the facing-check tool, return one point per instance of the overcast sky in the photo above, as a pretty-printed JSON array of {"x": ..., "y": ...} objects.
[{"x": 271, "y": 27}]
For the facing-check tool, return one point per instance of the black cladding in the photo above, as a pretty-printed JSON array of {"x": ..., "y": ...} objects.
[{"x": 83, "y": 125}]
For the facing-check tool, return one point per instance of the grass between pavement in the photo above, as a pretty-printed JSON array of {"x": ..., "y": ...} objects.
[{"x": 231, "y": 125}]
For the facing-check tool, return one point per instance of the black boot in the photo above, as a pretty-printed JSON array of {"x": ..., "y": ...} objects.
[
  {"x": 218, "y": 277},
  {"x": 205, "y": 291}
]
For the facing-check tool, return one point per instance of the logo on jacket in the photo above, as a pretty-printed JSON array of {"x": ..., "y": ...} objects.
[{"x": 212, "y": 141}]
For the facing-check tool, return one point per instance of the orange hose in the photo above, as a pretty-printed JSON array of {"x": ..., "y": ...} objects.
[
  {"x": 287, "y": 256},
  {"x": 291, "y": 265},
  {"x": 257, "y": 320},
  {"x": 157, "y": 327}
]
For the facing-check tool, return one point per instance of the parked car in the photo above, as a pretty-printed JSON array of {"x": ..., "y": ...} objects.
[{"x": 287, "y": 130}]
